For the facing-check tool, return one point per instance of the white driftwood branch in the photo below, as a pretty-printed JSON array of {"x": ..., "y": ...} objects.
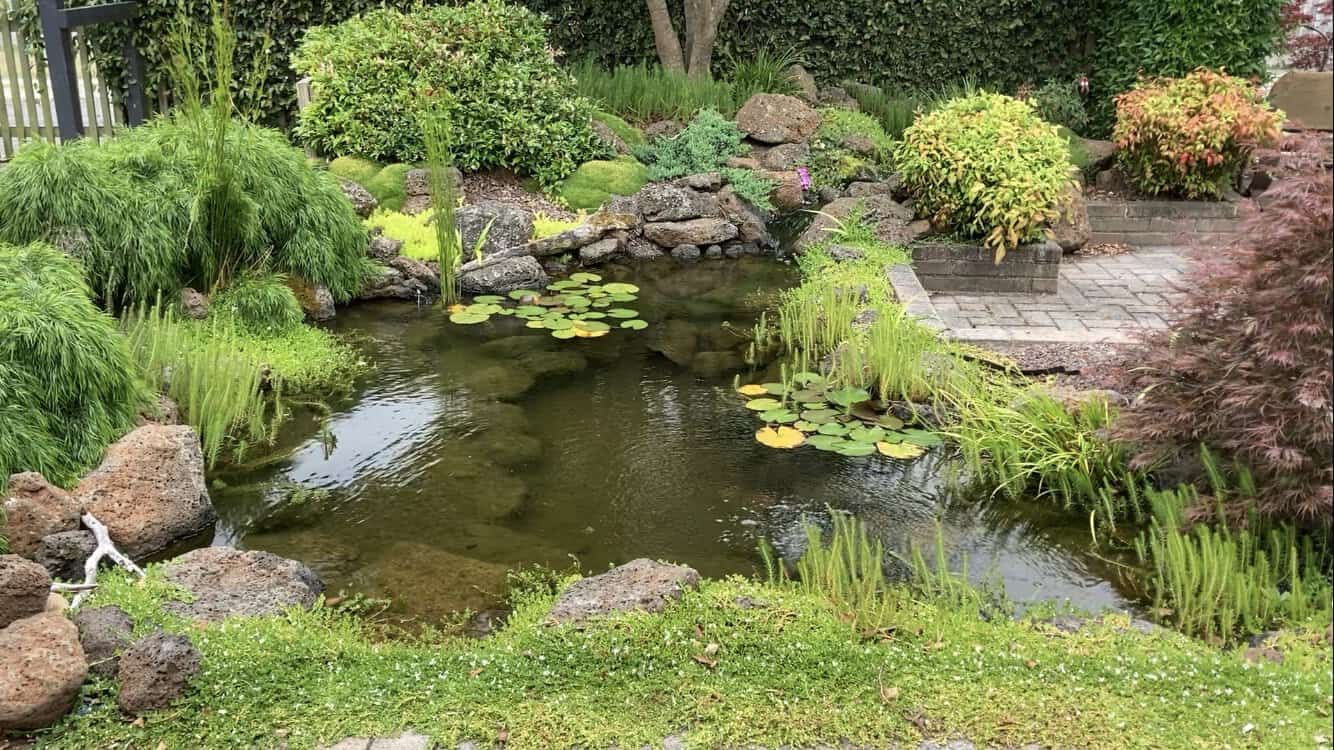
[{"x": 105, "y": 548}]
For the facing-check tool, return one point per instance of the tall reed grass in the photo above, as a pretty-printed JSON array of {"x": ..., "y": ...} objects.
[
  {"x": 436, "y": 132},
  {"x": 220, "y": 386},
  {"x": 644, "y": 93},
  {"x": 1220, "y": 583}
]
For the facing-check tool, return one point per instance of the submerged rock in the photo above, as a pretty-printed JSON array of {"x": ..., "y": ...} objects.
[
  {"x": 498, "y": 381},
  {"x": 150, "y": 489},
  {"x": 42, "y": 665},
  {"x": 227, "y": 582},
  {"x": 155, "y": 671},
  {"x": 432, "y": 583},
  {"x": 716, "y": 364},
  {"x": 641, "y": 584},
  {"x": 552, "y": 364},
  {"x": 35, "y": 508}
]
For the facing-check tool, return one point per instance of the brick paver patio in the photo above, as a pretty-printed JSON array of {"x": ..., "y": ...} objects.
[{"x": 1099, "y": 299}]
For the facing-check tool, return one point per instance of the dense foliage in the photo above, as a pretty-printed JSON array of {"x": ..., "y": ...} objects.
[
  {"x": 1191, "y": 136},
  {"x": 486, "y": 65},
  {"x": 66, "y": 383},
  {"x": 1175, "y": 37},
  {"x": 703, "y": 146},
  {"x": 832, "y": 160},
  {"x": 260, "y": 302},
  {"x": 1247, "y": 368},
  {"x": 1307, "y": 35},
  {"x": 127, "y": 208},
  {"x": 986, "y": 166},
  {"x": 901, "y": 45},
  {"x": 1059, "y": 103}
]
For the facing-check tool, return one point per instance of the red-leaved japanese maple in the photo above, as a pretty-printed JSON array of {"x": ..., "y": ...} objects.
[{"x": 1246, "y": 369}]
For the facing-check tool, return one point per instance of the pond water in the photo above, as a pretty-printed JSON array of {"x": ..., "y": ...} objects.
[{"x": 473, "y": 449}]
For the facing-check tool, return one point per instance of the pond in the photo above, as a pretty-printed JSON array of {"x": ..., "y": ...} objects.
[{"x": 470, "y": 450}]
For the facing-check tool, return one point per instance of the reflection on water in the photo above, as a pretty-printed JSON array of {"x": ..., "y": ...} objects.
[{"x": 472, "y": 450}]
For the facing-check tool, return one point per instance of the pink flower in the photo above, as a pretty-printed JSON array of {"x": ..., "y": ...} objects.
[{"x": 805, "y": 176}]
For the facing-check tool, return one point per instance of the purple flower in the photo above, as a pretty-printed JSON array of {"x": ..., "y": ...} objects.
[{"x": 805, "y": 176}]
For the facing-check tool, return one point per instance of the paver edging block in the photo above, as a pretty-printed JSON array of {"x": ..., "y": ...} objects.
[
  {"x": 953, "y": 266},
  {"x": 1163, "y": 222}
]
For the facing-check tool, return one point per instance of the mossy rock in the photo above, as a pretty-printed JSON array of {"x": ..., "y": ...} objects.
[
  {"x": 632, "y": 135},
  {"x": 389, "y": 186},
  {"x": 500, "y": 382},
  {"x": 360, "y": 171},
  {"x": 594, "y": 182},
  {"x": 1079, "y": 156}
]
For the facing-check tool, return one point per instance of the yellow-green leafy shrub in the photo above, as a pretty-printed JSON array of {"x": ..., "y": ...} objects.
[
  {"x": 986, "y": 167},
  {"x": 1191, "y": 136},
  {"x": 414, "y": 231}
]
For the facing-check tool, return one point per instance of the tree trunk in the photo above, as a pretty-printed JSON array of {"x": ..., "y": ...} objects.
[
  {"x": 702, "y": 20},
  {"x": 664, "y": 36}
]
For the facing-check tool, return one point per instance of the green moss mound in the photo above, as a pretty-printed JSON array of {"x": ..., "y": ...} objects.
[
  {"x": 596, "y": 181},
  {"x": 360, "y": 171},
  {"x": 632, "y": 135},
  {"x": 260, "y": 303},
  {"x": 125, "y": 209},
  {"x": 66, "y": 388}
]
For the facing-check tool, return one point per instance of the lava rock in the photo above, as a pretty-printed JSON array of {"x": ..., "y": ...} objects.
[
  {"x": 642, "y": 584},
  {"x": 316, "y": 300},
  {"x": 807, "y": 89},
  {"x": 103, "y": 633},
  {"x": 600, "y": 251},
  {"x": 641, "y": 249},
  {"x": 692, "y": 232},
  {"x": 34, "y": 508},
  {"x": 384, "y": 248},
  {"x": 777, "y": 118},
  {"x": 609, "y": 137},
  {"x": 661, "y": 129},
  {"x": 43, "y": 666},
  {"x": 64, "y": 553},
  {"x": 362, "y": 201},
  {"x": 686, "y": 252},
  {"x": 417, "y": 182},
  {"x": 194, "y": 304},
  {"x": 786, "y": 157},
  {"x": 23, "y": 588},
  {"x": 665, "y": 201},
  {"x": 150, "y": 489},
  {"x": 1071, "y": 230},
  {"x": 704, "y": 181},
  {"x": 227, "y": 582},
  {"x": 509, "y": 226},
  {"x": 155, "y": 671}
]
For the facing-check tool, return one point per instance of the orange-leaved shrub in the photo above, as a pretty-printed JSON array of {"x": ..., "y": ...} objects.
[
  {"x": 1191, "y": 136},
  {"x": 1246, "y": 369}
]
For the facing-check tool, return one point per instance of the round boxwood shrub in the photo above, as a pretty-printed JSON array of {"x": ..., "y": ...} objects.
[
  {"x": 508, "y": 101},
  {"x": 1191, "y": 136},
  {"x": 66, "y": 383},
  {"x": 987, "y": 167}
]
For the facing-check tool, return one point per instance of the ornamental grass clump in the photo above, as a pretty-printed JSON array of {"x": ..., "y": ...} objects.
[
  {"x": 1191, "y": 136},
  {"x": 986, "y": 167},
  {"x": 67, "y": 388},
  {"x": 1247, "y": 368}
]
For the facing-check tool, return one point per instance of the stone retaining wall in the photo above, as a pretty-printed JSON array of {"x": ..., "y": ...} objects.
[
  {"x": 943, "y": 266},
  {"x": 1163, "y": 223}
]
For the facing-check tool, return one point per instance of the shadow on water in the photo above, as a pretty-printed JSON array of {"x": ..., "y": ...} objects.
[{"x": 472, "y": 450}]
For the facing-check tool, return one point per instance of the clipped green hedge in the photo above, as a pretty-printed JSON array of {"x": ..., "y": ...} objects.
[{"x": 485, "y": 63}]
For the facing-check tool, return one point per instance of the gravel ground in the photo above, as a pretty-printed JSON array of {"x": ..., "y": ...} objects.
[
  {"x": 1077, "y": 366},
  {"x": 505, "y": 186}
]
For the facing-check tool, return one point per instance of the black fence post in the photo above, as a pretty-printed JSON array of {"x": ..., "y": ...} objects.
[{"x": 56, "y": 24}]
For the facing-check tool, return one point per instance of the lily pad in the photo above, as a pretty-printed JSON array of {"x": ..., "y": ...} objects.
[
  {"x": 594, "y": 326},
  {"x": 848, "y": 396},
  {"x": 780, "y": 416},
  {"x": 622, "y": 312},
  {"x": 617, "y": 287},
  {"x": 867, "y": 434},
  {"x": 557, "y": 324},
  {"x": 850, "y": 448},
  {"x": 825, "y": 442},
  {"x": 833, "y": 428},
  {"x": 601, "y": 303},
  {"x": 903, "y": 451},
  {"x": 563, "y": 333},
  {"x": 519, "y": 294},
  {"x": 783, "y": 437},
  {"x": 577, "y": 302},
  {"x": 635, "y": 325},
  {"x": 808, "y": 394},
  {"x": 467, "y": 318},
  {"x": 807, "y": 378},
  {"x": 890, "y": 422},
  {"x": 777, "y": 389},
  {"x": 621, "y": 297},
  {"x": 535, "y": 324},
  {"x": 805, "y": 426},
  {"x": 922, "y": 438},
  {"x": 764, "y": 404},
  {"x": 489, "y": 299},
  {"x": 593, "y": 315},
  {"x": 584, "y": 277},
  {"x": 529, "y": 310},
  {"x": 752, "y": 389},
  {"x": 819, "y": 416}
]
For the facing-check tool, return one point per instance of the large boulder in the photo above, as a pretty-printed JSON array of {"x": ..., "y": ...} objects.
[
  {"x": 600, "y": 251},
  {"x": 750, "y": 224},
  {"x": 34, "y": 508},
  {"x": 316, "y": 300},
  {"x": 226, "y": 582},
  {"x": 1071, "y": 230},
  {"x": 641, "y": 584},
  {"x": 692, "y": 232},
  {"x": 41, "y": 669},
  {"x": 666, "y": 201},
  {"x": 502, "y": 275},
  {"x": 150, "y": 490},
  {"x": 787, "y": 193},
  {"x": 104, "y": 632},
  {"x": 1306, "y": 97},
  {"x": 891, "y": 221},
  {"x": 24, "y": 586},
  {"x": 807, "y": 88},
  {"x": 1099, "y": 154},
  {"x": 777, "y": 118},
  {"x": 505, "y": 226},
  {"x": 155, "y": 671},
  {"x": 417, "y": 272},
  {"x": 785, "y": 157}
]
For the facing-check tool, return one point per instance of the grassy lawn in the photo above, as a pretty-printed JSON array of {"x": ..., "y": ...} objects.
[{"x": 786, "y": 669}]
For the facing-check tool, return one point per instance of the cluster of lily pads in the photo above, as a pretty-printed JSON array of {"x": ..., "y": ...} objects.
[
  {"x": 847, "y": 421},
  {"x": 577, "y": 307}
]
